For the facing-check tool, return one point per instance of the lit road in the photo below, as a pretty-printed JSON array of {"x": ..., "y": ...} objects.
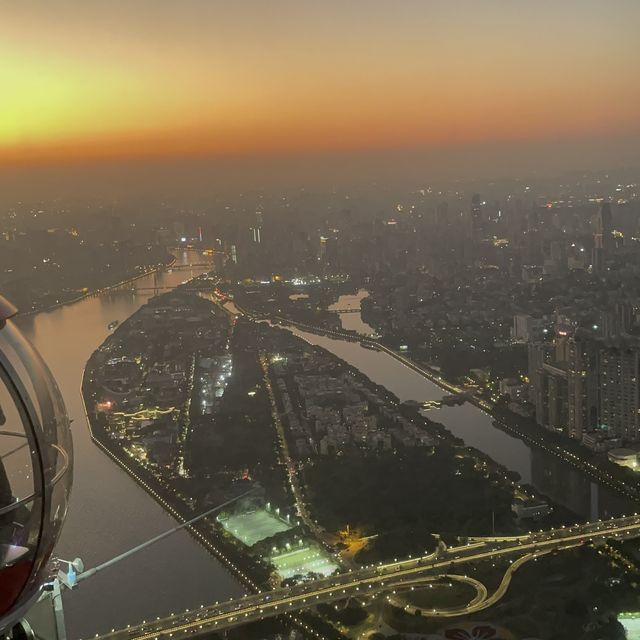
[
  {"x": 383, "y": 577},
  {"x": 283, "y": 449}
]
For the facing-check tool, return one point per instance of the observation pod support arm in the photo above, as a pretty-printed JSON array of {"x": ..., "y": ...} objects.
[{"x": 7, "y": 310}]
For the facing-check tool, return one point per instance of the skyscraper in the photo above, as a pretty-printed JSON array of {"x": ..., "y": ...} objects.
[
  {"x": 256, "y": 230},
  {"x": 619, "y": 390},
  {"x": 602, "y": 238},
  {"x": 582, "y": 368}
]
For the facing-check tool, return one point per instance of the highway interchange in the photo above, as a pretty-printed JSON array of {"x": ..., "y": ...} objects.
[{"x": 374, "y": 579}]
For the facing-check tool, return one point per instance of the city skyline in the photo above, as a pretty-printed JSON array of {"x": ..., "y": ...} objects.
[{"x": 320, "y": 320}]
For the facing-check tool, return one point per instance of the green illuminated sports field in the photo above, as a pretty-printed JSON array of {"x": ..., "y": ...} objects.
[
  {"x": 253, "y": 526},
  {"x": 299, "y": 559},
  {"x": 309, "y": 558}
]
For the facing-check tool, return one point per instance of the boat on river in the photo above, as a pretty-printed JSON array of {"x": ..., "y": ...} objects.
[{"x": 113, "y": 324}]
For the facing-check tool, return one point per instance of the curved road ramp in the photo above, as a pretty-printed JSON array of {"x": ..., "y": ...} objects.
[{"x": 383, "y": 578}]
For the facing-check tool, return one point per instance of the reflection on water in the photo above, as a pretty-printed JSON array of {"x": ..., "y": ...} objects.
[
  {"x": 574, "y": 490},
  {"x": 547, "y": 473},
  {"x": 352, "y": 321},
  {"x": 109, "y": 512}
]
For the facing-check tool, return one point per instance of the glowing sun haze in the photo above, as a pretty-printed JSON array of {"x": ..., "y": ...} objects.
[{"x": 87, "y": 79}]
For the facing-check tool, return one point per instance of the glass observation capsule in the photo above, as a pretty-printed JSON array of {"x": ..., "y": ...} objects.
[{"x": 35, "y": 469}]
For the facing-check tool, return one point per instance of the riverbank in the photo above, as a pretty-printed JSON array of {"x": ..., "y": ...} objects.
[
  {"x": 155, "y": 490},
  {"x": 154, "y": 485},
  {"x": 540, "y": 440},
  {"x": 169, "y": 490},
  {"x": 385, "y": 435},
  {"x": 97, "y": 292},
  {"x": 109, "y": 512}
]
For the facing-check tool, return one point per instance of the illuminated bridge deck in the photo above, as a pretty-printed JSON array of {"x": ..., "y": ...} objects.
[{"x": 375, "y": 579}]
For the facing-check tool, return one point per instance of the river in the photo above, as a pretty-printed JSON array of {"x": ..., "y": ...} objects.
[
  {"x": 352, "y": 321},
  {"x": 550, "y": 475},
  {"x": 109, "y": 513}
]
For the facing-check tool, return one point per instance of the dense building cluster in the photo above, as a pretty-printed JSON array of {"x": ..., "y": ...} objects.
[
  {"x": 585, "y": 384},
  {"x": 584, "y": 360},
  {"x": 330, "y": 411},
  {"x": 158, "y": 373}
]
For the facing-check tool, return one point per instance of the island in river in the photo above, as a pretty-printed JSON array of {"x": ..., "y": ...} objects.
[{"x": 179, "y": 395}]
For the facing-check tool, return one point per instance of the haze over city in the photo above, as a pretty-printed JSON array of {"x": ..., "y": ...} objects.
[
  {"x": 320, "y": 320},
  {"x": 446, "y": 89}
]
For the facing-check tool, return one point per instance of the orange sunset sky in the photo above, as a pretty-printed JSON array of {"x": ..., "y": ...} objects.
[{"x": 133, "y": 78}]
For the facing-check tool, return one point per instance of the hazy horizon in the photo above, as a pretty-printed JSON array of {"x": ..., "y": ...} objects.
[
  {"x": 392, "y": 168},
  {"x": 117, "y": 97}
]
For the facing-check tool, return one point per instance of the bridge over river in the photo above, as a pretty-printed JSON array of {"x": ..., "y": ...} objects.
[{"x": 389, "y": 577}]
